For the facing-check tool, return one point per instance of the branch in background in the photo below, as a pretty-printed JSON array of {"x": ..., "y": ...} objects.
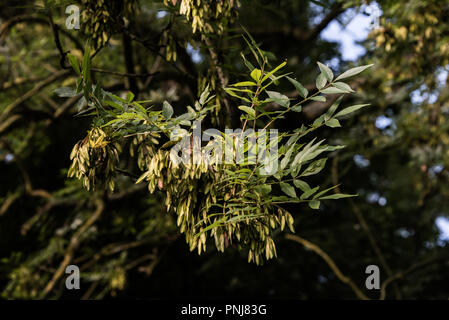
[
  {"x": 26, "y": 177},
  {"x": 73, "y": 245},
  {"x": 55, "y": 30},
  {"x": 336, "y": 10},
  {"x": 8, "y": 122},
  {"x": 309, "y": 245},
  {"x": 54, "y": 77},
  {"x": 9, "y": 201},
  {"x": 299, "y": 34},
  {"x": 44, "y": 209},
  {"x": 358, "y": 213},
  {"x": 129, "y": 63},
  {"x": 127, "y": 192},
  {"x": 402, "y": 274},
  {"x": 66, "y": 105},
  {"x": 155, "y": 67},
  {"x": 20, "y": 81},
  {"x": 190, "y": 79},
  {"x": 215, "y": 61},
  {"x": 8, "y": 24},
  {"x": 121, "y": 74}
]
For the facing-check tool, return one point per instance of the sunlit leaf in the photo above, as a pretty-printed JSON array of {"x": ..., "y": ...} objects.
[{"x": 353, "y": 72}]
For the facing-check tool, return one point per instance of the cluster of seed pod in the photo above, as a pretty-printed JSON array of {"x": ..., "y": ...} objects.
[
  {"x": 94, "y": 159},
  {"x": 206, "y": 16},
  {"x": 197, "y": 193},
  {"x": 100, "y": 17}
]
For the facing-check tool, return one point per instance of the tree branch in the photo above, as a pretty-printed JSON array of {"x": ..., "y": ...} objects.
[
  {"x": 358, "y": 213},
  {"x": 54, "y": 77},
  {"x": 402, "y": 274},
  {"x": 336, "y": 10},
  {"x": 74, "y": 243},
  {"x": 309, "y": 245}
]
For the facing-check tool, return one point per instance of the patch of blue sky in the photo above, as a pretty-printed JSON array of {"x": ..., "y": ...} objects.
[
  {"x": 361, "y": 161},
  {"x": 161, "y": 14},
  {"x": 422, "y": 94},
  {"x": 375, "y": 197},
  {"x": 442, "y": 224},
  {"x": 356, "y": 30},
  {"x": 194, "y": 53},
  {"x": 383, "y": 122}
]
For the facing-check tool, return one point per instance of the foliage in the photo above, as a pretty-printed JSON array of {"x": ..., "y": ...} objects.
[
  {"x": 151, "y": 70},
  {"x": 234, "y": 203}
]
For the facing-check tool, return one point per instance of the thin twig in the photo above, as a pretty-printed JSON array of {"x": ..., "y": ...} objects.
[
  {"x": 54, "y": 77},
  {"x": 124, "y": 74},
  {"x": 402, "y": 274},
  {"x": 330, "y": 263},
  {"x": 358, "y": 213},
  {"x": 74, "y": 243}
]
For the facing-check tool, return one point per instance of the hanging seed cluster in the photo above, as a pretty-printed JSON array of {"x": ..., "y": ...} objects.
[
  {"x": 208, "y": 203},
  {"x": 94, "y": 159},
  {"x": 101, "y": 18},
  {"x": 233, "y": 202},
  {"x": 206, "y": 16}
]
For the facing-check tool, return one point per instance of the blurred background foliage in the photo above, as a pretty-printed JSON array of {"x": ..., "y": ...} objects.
[{"x": 126, "y": 244}]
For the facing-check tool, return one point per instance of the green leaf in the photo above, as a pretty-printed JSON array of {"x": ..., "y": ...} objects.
[
  {"x": 314, "y": 167},
  {"x": 343, "y": 86},
  {"x": 333, "y": 123},
  {"x": 315, "y": 153},
  {"x": 279, "y": 98},
  {"x": 287, "y": 156},
  {"x": 264, "y": 189},
  {"x": 314, "y": 204},
  {"x": 309, "y": 148},
  {"x": 288, "y": 189},
  {"x": 65, "y": 92},
  {"x": 112, "y": 122},
  {"x": 167, "y": 110},
  {"x": 244, "y": 84},
  {"x": 318, "y": 121},
  {"x": 239, "y": 90},
  {"x": 191, "y": 112},
  {"x": 232, "y": 93},
  {"x": 321, "y": 81},
  {"x": 303, "y": 92},
  {"x": 248, "y": 110},
  {"x": 332, "y": 90},
  {"x": 297, "y": 108},
  {"x": 332, "y": 108},
  {"x": 319, "y": 194},
  {"x": 269, "y": 74},
  {"x": 338, "y": 196},
  {"x": 256, "y": 74},
  {"x": 318, "y": 98},
  {"x": 129, "y": 96},
  {"x": 353, "y": 72},
  {"x": 301, "y": 185},
  {"x": 246, "y": 62},
  {"x": 204, "y": 95},
  {"x": 113, "y": 104},
  {"x": 86, "y": 64},
  {"x": 350, "y": 109},
  {"x": 74, "y": 63},
  {"x": 80, "y": 104},
  {"x": 326, "y": 71},
  {"x": 333, "y": 148},
  {"x": 308, "y": 193}
]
